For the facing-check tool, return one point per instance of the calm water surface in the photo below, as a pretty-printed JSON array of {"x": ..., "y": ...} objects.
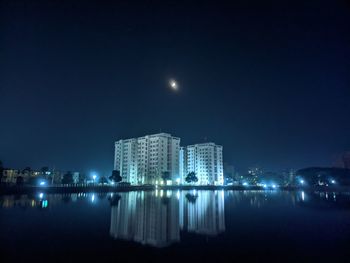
[{"x": 177, "y": 226}]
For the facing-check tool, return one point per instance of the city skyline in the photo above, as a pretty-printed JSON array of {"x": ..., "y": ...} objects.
[
  {"x": 159, "y": 159},
  {"x": 268, "y": 81},
  {"x": 174, "y": 131}
]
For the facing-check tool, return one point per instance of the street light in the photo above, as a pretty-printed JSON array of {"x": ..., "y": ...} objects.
[{"x": 94, "y": 176}]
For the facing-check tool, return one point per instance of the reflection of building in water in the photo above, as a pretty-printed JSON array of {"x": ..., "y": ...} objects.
[
  {"x": 155, "y": 218},
  {"x": 203, "y": 212},
  {"x": 39, "y": 199},
  {"x": 143, "y": 217}
]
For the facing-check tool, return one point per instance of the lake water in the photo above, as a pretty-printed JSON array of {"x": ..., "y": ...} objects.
[{"x": 176, "y": 226}]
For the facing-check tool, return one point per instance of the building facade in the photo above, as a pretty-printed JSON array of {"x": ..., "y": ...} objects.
[
  {"x": 15, "y": 176},
  {"x": 9, "y": 176},
  {"x": 146, "y": 159},
  {"x": 182, "y": 164},
  {"x": 205, "y": 160}
]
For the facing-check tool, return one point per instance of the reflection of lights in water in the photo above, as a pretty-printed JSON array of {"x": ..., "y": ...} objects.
[
  {"x": 303, "y": 196},
  {"x": 334, "y": 197},
  {"x": 44, "y": 203},
  {"x": 161, "y": 193},
  {"x": 178, "y": 194},
  {"x": 327, "y": 196},
  {"x": 194, "y": 191},
  {"x": 93, "y": 198},
  {"x": 41, "y": 195},
  {"x": 156, "y": 192}
]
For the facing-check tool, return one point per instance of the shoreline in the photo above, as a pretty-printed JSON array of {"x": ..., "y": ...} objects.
[{"x": 8, "y": 190}]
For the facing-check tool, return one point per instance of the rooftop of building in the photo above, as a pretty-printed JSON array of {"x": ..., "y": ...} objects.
[
  {"x": 204, "y": 144},
  {"x": 162, "y": 134}
]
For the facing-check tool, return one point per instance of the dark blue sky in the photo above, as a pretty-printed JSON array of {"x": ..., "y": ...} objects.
[{"x": 268, "y": 81}]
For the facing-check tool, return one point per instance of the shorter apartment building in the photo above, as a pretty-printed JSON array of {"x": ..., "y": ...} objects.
[{"x": 206, "y": 160}]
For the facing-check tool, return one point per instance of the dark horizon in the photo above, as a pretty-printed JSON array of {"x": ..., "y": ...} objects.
[{"x": 267, "y": 81}]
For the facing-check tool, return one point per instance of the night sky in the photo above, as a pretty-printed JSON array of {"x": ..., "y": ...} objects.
[{"x": 268, "y": 81}]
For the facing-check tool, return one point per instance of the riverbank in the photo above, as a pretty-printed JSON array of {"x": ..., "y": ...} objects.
[{"x": 108, "y": 188}]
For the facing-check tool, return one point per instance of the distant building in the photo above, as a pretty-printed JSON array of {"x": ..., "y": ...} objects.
[
  {"x": 346, "y": 160},
  {"x": 205, "y": 159},
  {"x": 342, "y": 160},
  {"x": 254, "y": 175},
  {"x": 9, "y": 176},
  {"x": 56, "y": 177},
  {"x": 76, "y": 177},
  {"x": 145, "y": 159},
  {"x": 229, "y": 173},
  {"x": 289, "y": 177}
]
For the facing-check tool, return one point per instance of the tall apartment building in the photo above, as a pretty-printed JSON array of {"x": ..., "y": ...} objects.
[
  {"x": 205, "y": 160},
  {"x": 145, "y": 159}
]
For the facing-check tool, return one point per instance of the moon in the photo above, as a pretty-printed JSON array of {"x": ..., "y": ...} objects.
[{"x": 173, "y": 84}]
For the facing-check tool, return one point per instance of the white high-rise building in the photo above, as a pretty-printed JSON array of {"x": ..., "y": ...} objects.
[
  {"x": 145, "y": 159},
  {"x": 205, "y": 159},
  {"x": 182, "y": 164}
]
